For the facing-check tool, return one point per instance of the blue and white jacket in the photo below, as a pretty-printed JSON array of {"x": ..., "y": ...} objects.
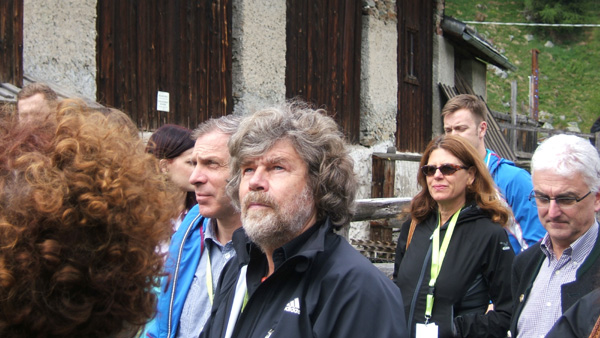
[
  {"x": 515, "y": 186},
  {"x": 185, "y": 250}
]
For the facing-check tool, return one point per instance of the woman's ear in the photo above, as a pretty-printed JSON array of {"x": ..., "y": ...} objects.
[
  {"x": 163, "y": 165},
  {"x": 471, "y": 172}
]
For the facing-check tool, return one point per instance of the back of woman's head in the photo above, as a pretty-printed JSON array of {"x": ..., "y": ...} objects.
[
  {"x": 82, "y": 209},
  {"x": 169, "y": 141}
]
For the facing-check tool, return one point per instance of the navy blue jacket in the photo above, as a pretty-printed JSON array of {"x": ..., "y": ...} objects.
[
  {"x": 579, "y": 320},
  {"x": 321, "y": 287}
]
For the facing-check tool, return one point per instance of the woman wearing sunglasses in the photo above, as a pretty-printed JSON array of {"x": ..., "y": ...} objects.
[{"x": 453, "y": 260}]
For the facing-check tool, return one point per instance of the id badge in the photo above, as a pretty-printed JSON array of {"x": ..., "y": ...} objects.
[{"x": 429, "y": 330}]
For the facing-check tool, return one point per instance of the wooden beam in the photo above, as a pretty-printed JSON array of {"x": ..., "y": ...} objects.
[
  {"x": 414, "y": 157},
  {"x": 380, "y": 208}
]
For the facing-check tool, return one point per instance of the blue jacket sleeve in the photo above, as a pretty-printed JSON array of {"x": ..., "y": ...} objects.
[
  {"x": 180, "y": 266},
  {"x": 517, "y": 195}
]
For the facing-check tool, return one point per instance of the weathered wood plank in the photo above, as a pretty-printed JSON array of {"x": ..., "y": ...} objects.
[
  {"x": 415, "y": 53},
  {"x": 380, "y": 208},
  {"x": 399, "y": 156},
  {"x": 182, "y": 47},
  {"x": 323, "y": 40},
  {"x": 382, "y": 185},
  {"x": 11, "y": 42}
]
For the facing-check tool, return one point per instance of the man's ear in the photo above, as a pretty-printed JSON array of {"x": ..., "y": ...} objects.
[
  {"x": 482, "y": 129},
  {"x": 162, "y": 164},
  {"x": 597, "y": 201}
]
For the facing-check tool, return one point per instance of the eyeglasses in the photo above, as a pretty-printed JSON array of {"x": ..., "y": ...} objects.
[
  {"x": 563, "y": 202},
  {"x": 446, "y": 169}
]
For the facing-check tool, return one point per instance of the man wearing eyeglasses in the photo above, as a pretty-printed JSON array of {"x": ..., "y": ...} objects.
[
  {"x": 464, "y": 115},
  {"x": 550, "y": 276}
]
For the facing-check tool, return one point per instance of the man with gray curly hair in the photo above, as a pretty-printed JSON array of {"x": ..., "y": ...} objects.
[
  {"x": 553, "y": 274},
  {"x": 294, "y": 182}
]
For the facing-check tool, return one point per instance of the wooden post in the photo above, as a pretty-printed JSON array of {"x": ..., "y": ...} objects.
[
  {"x": 535, "y": 72},
  {"x": 382, "y": 185},
  {"x": 11, "y": 47},
  {"x": 513, "y": 115}
]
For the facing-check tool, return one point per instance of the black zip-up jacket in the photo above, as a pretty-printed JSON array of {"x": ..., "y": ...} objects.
[
  {"x": 321, "y": 287},
  {"x": 579, "y": 320},
  {"x": 526, "y": 268},
  {"x": 476, "y": 269}
]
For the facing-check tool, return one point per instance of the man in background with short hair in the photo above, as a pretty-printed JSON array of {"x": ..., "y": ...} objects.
[
  {"x": 464, "y": 115},
  {"x": 35, "y": 102}
]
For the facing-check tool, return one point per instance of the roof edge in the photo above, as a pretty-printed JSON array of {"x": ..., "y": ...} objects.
[{"x": 462, "y": 34}]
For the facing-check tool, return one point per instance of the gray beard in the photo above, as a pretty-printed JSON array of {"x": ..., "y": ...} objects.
[{"x": 272, "y": 228}]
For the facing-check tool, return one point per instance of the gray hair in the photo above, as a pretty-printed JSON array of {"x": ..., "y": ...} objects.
[
  {"x": 319, "y": 142},
  {"x": 227, "y": 125},
  {"x": 567, "y": 155},
  {"x": 38, "y": 88}
]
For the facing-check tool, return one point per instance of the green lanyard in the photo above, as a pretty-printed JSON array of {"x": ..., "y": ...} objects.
[{"x": 437, "y": 258}]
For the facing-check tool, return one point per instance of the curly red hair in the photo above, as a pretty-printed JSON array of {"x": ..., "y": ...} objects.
[{"x": 82, "y": 210}]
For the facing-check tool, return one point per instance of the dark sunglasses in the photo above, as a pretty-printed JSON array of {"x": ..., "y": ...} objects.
[{"x": 446, "y": 169}]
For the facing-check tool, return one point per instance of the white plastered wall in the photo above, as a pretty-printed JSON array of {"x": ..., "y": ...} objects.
[
  {"x": 379, "y": 101},
  {"x": 259, "y": 47},
  {"x": 59, "y": 44}
]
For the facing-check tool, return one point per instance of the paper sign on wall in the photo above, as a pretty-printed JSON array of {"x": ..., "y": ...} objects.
[{"x": 162, "y": 101}]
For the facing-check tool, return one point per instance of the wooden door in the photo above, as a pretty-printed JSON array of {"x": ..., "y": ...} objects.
[
  {"x": 323, "y": 58},
  {"x": 181, "y": 47},
  {"x": 415, "y": 48}
]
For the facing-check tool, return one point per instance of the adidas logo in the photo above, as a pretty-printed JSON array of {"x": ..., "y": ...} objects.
[{"x": 293, "y": 306}]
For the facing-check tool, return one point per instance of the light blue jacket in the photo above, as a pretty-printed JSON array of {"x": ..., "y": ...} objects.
[
  {"x": 515, "y": 186},
  {"x": 185, "y": 250}
]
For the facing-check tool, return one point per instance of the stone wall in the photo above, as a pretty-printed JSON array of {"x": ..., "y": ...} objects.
[
  {"x": 443, "y": 72},
  {"x": 59, "y": 44},
  {"x": 379, "y": 81},
  {"x": 259, "y": 47}
]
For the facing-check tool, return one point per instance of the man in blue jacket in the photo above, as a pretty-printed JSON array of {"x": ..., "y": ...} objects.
[
  {"x": 464, "y": 115},
  {"x": 293, "y": 275},
  {"x": 202, "y": 245}
]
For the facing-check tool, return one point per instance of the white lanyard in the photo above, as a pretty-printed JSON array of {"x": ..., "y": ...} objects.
[
  {"x": 239, "y": 301},
  {"x": 209, "y": 279}
]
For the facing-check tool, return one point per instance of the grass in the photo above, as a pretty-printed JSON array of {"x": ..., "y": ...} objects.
[{"x": 569, "y": 81}]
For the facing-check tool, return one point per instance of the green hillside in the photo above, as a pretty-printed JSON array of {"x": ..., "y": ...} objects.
[{"x": 569, "y": 82}]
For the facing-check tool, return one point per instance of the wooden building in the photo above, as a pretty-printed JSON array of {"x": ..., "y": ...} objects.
[{"x": 378, "y": 67}]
